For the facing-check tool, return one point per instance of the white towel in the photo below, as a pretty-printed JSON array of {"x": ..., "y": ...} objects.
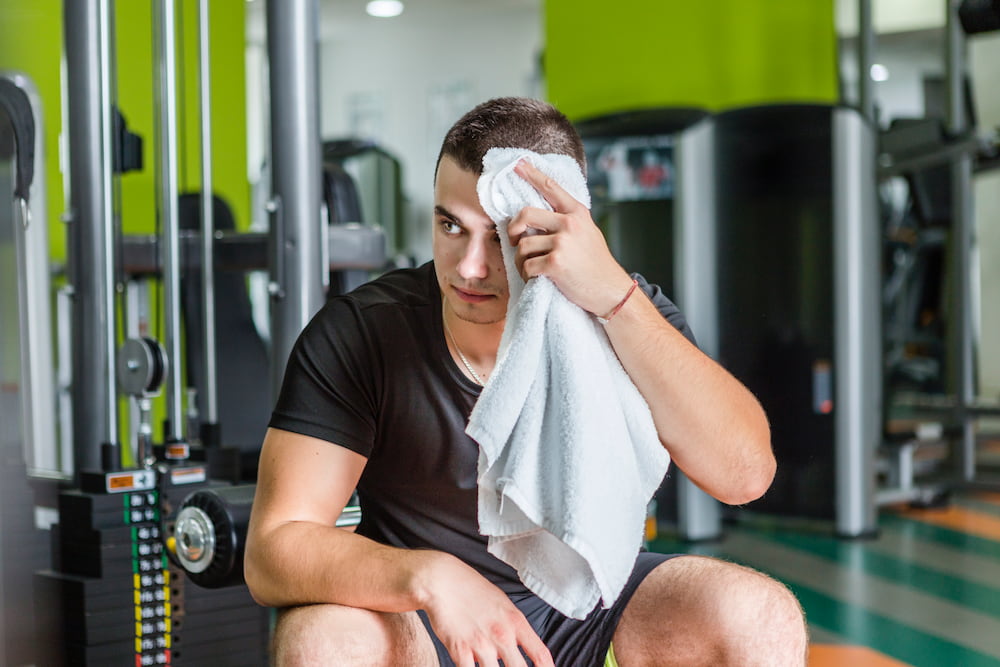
[{"x": 568, "y": 453}]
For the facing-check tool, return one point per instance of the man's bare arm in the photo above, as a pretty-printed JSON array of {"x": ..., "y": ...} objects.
[
  {"x": 713, "y": 427},
  {"x": 293, "y": 547},
  {"x": 295, "y": 555}
]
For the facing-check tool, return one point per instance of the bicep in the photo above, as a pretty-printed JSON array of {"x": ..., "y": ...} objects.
[{"x": 301, "y": 478}]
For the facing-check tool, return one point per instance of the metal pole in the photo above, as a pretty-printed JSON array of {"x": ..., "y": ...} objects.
[
  {"x": 207, "y": 218},
  {"x": 297, "y": 268},
  {"x": 107, "y": 196},
  {"x": 866, "y": 54},
  {"x": 962, "y": 244},
  {"x": 857, "y": 321},
  {"x": 88, "y": 73},
  {"x": 166, "y": 124},
  {"x": 699, "y": 515}
]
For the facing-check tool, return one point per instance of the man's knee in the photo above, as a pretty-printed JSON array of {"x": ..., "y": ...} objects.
[
  {"x": 326, "y": 634},
  {"x": 706, "y": 611},
  {"x": 759, "y": 620},
  {"x": 773, "y": 618}
]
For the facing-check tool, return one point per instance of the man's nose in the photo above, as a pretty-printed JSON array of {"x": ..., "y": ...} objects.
[{"x": 474, "y": 261}]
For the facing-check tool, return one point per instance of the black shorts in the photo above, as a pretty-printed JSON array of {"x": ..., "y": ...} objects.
[{"x": 572, "y": 643}]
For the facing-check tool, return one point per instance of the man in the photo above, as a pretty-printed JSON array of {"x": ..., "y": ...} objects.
[{"x": 376, "y": 397}]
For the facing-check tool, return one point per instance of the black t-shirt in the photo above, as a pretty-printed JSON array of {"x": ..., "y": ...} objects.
[{"x": 372, "y": 372}]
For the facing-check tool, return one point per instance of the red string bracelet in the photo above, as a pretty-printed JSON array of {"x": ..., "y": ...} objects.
[{"x": 614, "y": 311}]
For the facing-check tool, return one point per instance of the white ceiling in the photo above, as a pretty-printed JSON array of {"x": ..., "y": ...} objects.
[{"x": 341, "y": 17}]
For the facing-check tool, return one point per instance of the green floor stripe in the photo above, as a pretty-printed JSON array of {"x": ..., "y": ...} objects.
[
  {"x": 885, "y": 635},
  {"x": 857, "y": 625},
  {"x": 926, "y": 531},
  {"x": 858, "y": 556}
]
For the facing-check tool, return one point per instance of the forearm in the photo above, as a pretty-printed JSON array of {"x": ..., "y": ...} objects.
[
  {"x": 300, "y": 562},
  {"x": 713, "y": 427}
]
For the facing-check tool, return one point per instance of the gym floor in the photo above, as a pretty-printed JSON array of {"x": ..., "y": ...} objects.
[{"x": 925, "y": 592}]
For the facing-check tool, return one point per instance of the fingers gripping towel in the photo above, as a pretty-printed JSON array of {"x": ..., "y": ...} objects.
[{"x": 568, "y": 453}]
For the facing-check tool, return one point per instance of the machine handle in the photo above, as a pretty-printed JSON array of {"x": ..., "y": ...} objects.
[{"x": 18, "y": 107}]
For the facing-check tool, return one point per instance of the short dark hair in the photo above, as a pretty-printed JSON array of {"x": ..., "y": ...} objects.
[{"x": 510, "y": 122}]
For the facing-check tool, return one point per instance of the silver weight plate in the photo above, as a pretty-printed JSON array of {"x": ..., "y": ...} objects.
[{"x": 194, "y": 536}]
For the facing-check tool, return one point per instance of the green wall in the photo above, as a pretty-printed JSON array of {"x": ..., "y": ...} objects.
[
  {"x": 602, "y": 57},
  {"x": 135, "y": 96},
  {"x": 31, "y": 42}
]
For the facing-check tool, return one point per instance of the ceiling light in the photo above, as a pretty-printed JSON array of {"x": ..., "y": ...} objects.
[
  {"x": 880, "y": 72},
  {"x": 384, "y": 8}
]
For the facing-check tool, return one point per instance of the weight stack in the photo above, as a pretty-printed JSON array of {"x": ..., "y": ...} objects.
[
  {"x": 114, "y": 597},
  {"x": 108, "y": 595}
]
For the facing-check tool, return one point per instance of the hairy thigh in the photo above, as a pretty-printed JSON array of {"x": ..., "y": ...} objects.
[
  {"x": 693, "y": 610},
  {"x": 330, "y": 634}
]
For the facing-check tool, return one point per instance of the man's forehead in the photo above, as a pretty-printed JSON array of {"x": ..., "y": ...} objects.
[{"x": 449, "y": 170}]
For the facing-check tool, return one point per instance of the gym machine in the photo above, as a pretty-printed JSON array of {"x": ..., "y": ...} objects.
[
  {"x": 935, "y": 407},
  {"x": 115, "y": 593},
  {"x": 146, "y": 561},
  {"x": 797, "y": 212}
]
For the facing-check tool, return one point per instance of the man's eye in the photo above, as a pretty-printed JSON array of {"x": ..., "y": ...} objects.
[{"x": 450, "y": 226}]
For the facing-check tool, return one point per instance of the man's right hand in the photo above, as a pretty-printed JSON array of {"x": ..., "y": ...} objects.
[{"x": 474, "y": 619}]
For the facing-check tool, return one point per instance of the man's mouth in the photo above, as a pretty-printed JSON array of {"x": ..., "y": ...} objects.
[{"x": 471, "y": 296}]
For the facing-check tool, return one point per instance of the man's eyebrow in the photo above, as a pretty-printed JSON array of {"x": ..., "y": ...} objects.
[{"x": 445, "y": 213}]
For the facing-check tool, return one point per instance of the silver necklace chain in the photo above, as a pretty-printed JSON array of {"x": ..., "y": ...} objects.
[{"x": 468, "y": 366}]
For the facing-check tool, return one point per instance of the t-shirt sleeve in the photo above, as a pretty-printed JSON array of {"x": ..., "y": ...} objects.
[
  {"x": 328, "y": 389},
  {"x": 667, "y": 308}
]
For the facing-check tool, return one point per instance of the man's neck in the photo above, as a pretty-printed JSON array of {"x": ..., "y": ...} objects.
[{"x": 478, "y": 342}]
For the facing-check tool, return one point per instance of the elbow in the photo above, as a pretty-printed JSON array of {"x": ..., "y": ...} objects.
[
  {"x": 757, "y": 483},
  {"x": 756, "y": 474},
  {"x": 254, "y": 574},
  {"x": 253, "y": 585},
  {"x": 253, "y": 582},
  {"x": 752, "y": 485}
]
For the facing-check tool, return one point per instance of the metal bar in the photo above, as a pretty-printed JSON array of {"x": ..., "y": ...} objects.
[
  {"x": 297, "y": 267},
  {"x": 699, "y": 515},
  {"x": 108, "y": 238},
  {"x": 95, "y": 406},
  {"x": 857, "y": 318},
  {"x": 166, "y": 123},
  {"x": 64, "y": 379},
  {"x": 962, "y": 245},
  {"x": 357, "y": 247},
  {"x": 866, "y": 55},
  {"x": 135, "y": 297},
  {"x": 207, "y": 218},
  {"x": 954, "y": 71}
]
